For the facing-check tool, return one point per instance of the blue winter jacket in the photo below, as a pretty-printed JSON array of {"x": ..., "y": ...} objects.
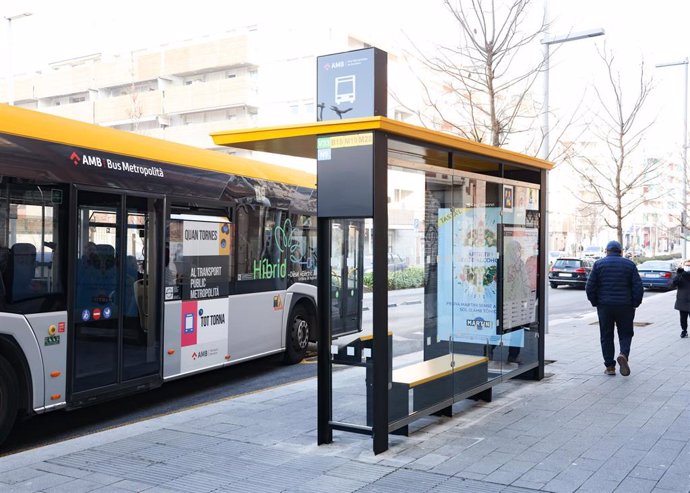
[{"x": 614, "y": 280}]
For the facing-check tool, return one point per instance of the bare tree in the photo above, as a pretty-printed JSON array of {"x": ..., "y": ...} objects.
[
  {"x": 135, "y": 110},
  {"x": 616, "y": 179},
  {"x": 484, "y": 84},
  {"x": 588, "y": 219}
]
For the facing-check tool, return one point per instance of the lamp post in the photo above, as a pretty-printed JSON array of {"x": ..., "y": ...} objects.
[
  {"x": 10, "y": 79},
  {"x": 546, "y": 43},
  {"x": 684, "y": 213}
]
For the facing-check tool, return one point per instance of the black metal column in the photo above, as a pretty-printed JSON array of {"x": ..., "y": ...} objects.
[
  {"x": 324, "y": 380},
  {"x": 542, "y": 274},
  {"x": 380, "y": 296}
]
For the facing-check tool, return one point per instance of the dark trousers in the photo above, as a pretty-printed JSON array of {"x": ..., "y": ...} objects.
[
  {"x": 622, "y": 318},
  {"x": 684, "y": 320}
]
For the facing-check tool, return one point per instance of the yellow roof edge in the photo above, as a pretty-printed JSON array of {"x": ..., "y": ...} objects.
[
  {"x": 297, "y": 130},
  {"x": 448, "y": 140},
  {"x": 395, "y": 127}
]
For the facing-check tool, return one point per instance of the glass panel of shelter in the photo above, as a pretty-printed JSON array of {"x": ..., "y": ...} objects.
[
  {"x": 421, "y": 378},
  {"x": 470, "y": 233},
  {"x": 351, "y": 349},
  {"x": 520, "y": 280},
  {"x": 455, "y": 240}
]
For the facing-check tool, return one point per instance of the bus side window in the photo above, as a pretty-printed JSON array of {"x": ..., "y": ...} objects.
[
  {"x": 30, "y": 220},
  {"x": 20, "y": 272},
  {"x": 4, "y": 258},
  {"x": 250, "y": 240},
  {"x": 270, "y": 250}
]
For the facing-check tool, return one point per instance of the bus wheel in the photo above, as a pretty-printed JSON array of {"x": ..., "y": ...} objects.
[
  {"x": 297, "y": 335},
  {"x": 9, "y": 390}
]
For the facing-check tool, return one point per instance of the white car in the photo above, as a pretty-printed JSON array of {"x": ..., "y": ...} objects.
[{"x": 593, "y": 252}]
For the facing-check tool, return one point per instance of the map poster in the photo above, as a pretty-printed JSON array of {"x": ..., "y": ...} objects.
[
  {"x": 520, "y": 262},
  {"x": 467, "y": 264},
  {"x": 467, "y": 286}
]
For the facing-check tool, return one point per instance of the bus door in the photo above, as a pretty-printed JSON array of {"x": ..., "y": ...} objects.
[
  {"x": 347, "y": 271},
  {"x": 117, "y": 302}
]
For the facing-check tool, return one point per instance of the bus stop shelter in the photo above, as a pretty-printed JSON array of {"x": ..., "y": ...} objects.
[{"x": 431, "y": 256}]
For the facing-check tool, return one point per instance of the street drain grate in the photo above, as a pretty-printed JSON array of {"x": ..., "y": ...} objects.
[{"x": 635, "y": 324}]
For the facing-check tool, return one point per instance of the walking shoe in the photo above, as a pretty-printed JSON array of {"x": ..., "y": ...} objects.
[
  {"x": 610, "y": 370},
  {"x": 684, "y": 334},
  {"x": 623, "y": 363}
]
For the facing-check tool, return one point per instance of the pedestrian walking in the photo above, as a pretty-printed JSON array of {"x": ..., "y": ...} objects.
[
  {"x": 682, "y": 281},
  {"x": 614, "y": 287}
]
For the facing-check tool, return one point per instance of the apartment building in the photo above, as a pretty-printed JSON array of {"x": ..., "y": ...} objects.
[
  {"x": 655, "y": 225},
  {"x": 178, "y": 92}
]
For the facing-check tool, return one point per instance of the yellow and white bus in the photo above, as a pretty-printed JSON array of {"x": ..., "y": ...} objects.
[{"x": 126, "y": 261}]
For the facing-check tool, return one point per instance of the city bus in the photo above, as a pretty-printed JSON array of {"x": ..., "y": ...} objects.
[{"x": 127, "y": 261}]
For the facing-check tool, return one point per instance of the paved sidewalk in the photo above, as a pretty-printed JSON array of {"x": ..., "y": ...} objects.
[{"x": 577, "y": 430}]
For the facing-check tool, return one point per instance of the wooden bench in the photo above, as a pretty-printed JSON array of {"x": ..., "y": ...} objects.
[
  {"x": 435, "y": 380},
  {"x": 429, "y": 382}
]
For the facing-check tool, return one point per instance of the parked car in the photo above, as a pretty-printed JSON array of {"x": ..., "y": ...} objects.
[
  {"x": 635, "y": 253},
  {"x": 657, "y": 274},
  {"x": 395, "y": 263},
  {"x": 570, "y": 271},
  {"x": 593, "y": 252}
]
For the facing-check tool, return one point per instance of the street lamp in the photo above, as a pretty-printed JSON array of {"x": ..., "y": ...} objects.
[
  {"x": 547, "y": 42},
  {"x": 684, "y": 213},
  {"x": 10, "y": 81}
]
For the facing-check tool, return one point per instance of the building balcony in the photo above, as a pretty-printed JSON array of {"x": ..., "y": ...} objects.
[
  {"x": 83, "y": 111},
  {"x": 225, "y": 93},
  {"x": 65, "y": 80},
  {"x": 121, "y": 71},
  {"x": 191, "y": 59},
  {"x": 23, "y": 88},
  {"x": 128, "y": 108}
]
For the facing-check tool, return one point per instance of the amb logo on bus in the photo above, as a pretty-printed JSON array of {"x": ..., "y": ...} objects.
[{"x": 115, "y": 165}]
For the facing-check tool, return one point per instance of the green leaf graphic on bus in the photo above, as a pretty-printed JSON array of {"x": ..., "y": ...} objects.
[{"x": 286, "y": 242}]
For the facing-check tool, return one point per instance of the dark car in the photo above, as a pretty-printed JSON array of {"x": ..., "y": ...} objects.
[
  {"x": 657, "y": 274},
  {"x": 570, "y": 271}
]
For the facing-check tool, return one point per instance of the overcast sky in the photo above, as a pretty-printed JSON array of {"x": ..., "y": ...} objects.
[{"x": 635, "y": 30}]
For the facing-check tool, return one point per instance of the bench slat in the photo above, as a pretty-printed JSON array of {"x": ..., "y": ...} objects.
[{"x": 426, "y": 371}]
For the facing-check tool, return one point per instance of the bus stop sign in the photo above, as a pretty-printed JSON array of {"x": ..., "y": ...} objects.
[{"x": 351, "y": 84}]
